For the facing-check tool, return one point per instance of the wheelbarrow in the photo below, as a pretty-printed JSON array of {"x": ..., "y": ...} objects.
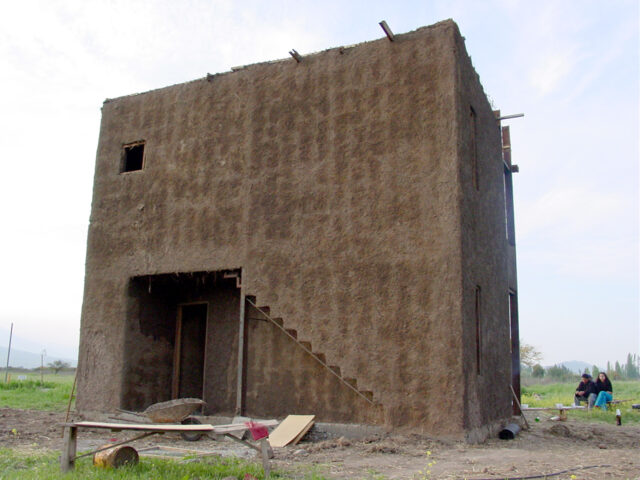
[{"x": 174, "y": 411}]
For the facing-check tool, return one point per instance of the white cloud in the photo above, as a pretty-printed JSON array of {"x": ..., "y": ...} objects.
[
  {"x": 601, "y": 260},
  {"x": 60, "y": 59},
  {"x": 551, "y": 70},
  {"x": 596, "y": 62},
  {"x": 569, "y": 210},
  {"x": 579, "y": 231}
]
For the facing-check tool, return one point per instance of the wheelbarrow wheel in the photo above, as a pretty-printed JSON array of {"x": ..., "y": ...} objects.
[{"x": 191, "y": 436}]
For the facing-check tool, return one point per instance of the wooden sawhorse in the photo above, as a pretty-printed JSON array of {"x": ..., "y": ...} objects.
[{"x": 69, "y": 447}]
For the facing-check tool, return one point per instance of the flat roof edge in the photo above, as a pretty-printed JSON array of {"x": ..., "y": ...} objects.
[{"x": 210, "y": 76}]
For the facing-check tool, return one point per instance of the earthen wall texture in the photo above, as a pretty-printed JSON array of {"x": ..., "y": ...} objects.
[
  {"x": 339, "y": 186},
  {"x": 485, "y": 259}
]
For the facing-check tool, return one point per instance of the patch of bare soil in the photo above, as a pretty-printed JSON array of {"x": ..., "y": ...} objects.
[
  {"x": 30, "y": 428},
  {"x": 612, "y": 452}
]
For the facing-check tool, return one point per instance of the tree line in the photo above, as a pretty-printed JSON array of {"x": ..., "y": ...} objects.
[
  {"x": 55, "y": 367},
  {"x": 530, "y": 365}
]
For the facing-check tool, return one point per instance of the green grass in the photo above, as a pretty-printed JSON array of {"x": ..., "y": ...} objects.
[
  {"x": 18, "y": 466},
  {"x": 52, "y": 394},
  {"x": 14, "y": 466},
  {"x": 548, "y": 395}
]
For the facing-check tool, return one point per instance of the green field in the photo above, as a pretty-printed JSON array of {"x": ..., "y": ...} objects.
[
  {"x": 549, "y": 395},
  {"x": 15, "y": 466},
  {"x": 51, "y": 394},
  {"x": 21, "y": 466}
]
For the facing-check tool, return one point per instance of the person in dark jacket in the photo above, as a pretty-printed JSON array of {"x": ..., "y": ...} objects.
[
  {"x": 586, "y": 391},
  {"x": 605, "y": 391}
]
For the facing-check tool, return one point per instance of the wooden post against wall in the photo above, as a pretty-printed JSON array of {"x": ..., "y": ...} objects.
[
  {"x": 511, "y": 246},
  {"x": 175, "y": 385},
  {"x": 509, "y": 169},
  {"x": 515, "y": 349},
  {"x": 6, "y": 372},
  {"x": 241, "y": 335}
]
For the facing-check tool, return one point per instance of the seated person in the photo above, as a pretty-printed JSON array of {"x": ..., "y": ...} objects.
[
  {"x": 586, "y": 391},
  {"x": 605, "y": 391}
]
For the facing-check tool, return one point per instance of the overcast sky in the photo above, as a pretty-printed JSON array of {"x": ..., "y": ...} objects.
[{"x": 571, "y": 67}]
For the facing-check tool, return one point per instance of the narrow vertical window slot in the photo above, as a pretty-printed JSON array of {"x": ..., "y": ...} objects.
[
  {"x": 478, "y": 305},
  {"x": 474, "y": 148}
]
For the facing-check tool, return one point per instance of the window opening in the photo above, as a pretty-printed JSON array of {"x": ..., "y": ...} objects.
[
  {"x": 474, "y": 148},
  {"x": 132, "y": 157},
  {"x": 478, "y": 329}
]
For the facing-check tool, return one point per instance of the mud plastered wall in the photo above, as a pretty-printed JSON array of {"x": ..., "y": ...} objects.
[
  {"x": 334, "y": 183},
  {"x": 484, "y": 254}
]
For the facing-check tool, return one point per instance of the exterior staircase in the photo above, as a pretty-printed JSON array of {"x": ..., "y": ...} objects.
[{"x": 335, "y": 370}]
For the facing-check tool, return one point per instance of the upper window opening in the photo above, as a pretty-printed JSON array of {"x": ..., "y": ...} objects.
[
  {"x": 132, "y": 156},
  {"x": 474, "y": 148},
  {"x": 478, "y": 319}
]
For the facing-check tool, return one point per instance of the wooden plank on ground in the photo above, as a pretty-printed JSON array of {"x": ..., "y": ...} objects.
[
  {"x": 290, "y": 429},
  {"x": 302, "y": 434},
  {"x": 541, "y": 409}
]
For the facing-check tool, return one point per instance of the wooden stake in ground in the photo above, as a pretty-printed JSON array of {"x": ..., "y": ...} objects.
[
  {"x": 73, "y": 389},
  {"x": 6, "y": 372},
  {"x": 515, "y": 397}
]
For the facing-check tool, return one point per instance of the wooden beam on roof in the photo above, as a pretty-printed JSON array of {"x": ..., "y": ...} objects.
[
  {"x": 387, "y": 30},
  {"x": 515, "y": 115},
  {"x": 295, "y": 55}
]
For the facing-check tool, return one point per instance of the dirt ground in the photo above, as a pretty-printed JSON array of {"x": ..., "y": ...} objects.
[{"x": 549, "y": 447}]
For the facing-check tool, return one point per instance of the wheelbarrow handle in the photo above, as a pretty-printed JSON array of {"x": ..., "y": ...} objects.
[{"x": 131, "y": 413}]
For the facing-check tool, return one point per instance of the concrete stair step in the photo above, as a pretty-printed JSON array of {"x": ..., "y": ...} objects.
[
  {"x": 351, "y": 381},
  {"x": 321, "y": 356},
  {"x": 368, "y": 394},
  {"x": 292, "y": 332}
]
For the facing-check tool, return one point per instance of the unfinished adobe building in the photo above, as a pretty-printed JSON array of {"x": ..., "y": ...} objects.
[{"x": 332, "y": 236}]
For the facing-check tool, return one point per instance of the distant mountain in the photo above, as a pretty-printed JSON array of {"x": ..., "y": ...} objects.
[
  {"x": 21, "y": 358},
  {"x": 577, "y": 366}
]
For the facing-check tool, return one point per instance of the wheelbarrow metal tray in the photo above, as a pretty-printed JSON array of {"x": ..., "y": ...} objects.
[{"x": 173, "y": 411}]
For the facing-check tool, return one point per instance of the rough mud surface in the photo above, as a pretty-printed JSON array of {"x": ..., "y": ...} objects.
[
  {"x": 343, "y": 186},
  {"x": 548, "y": 448}
]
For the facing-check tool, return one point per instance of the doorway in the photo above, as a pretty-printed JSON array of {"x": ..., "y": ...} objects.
[
  {"x": 190, "y": 349},
  {"x": 182, "y": 340}
]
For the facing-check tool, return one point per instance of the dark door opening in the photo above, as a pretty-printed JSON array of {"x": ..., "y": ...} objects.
[
  {"x": 189, "y": 354},
  {"x": 182, "y": 340}
]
